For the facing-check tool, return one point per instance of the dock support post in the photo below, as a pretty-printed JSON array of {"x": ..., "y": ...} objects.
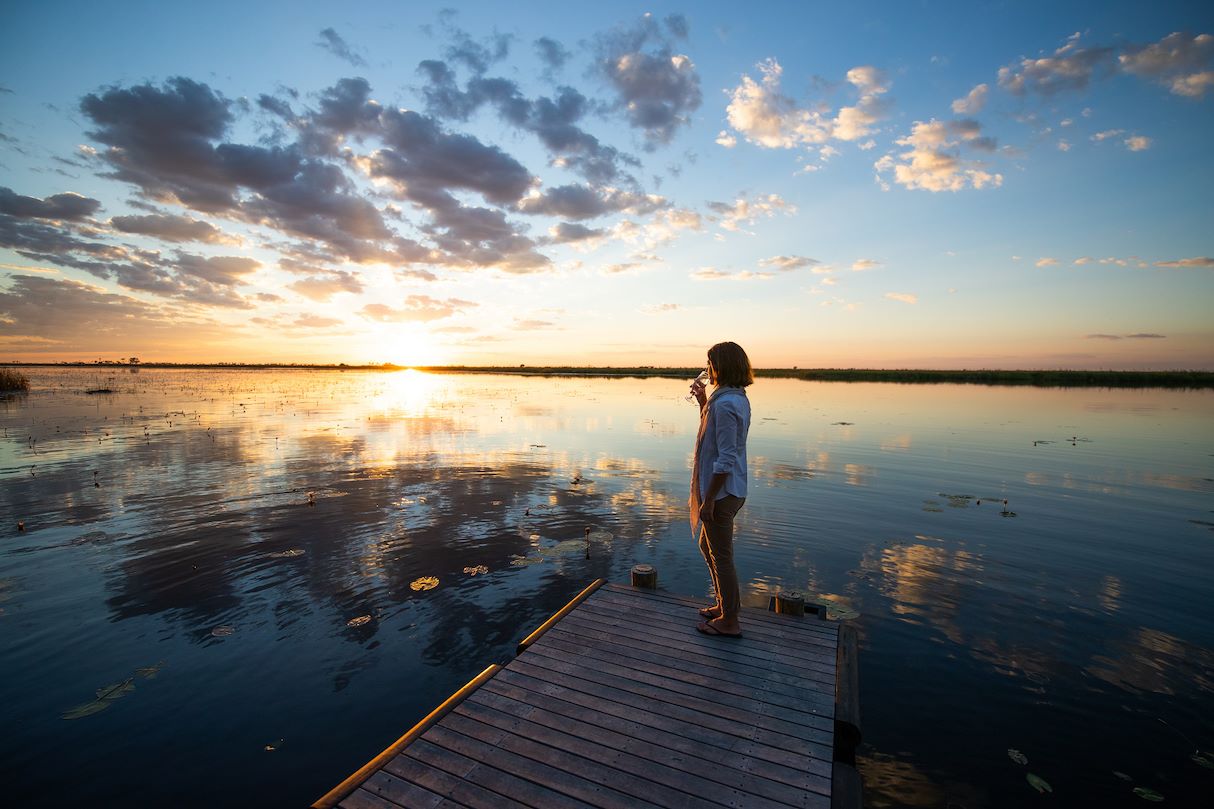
[
  {"x": 790, "y": 603},
  {"x": 645, "y": 576}
]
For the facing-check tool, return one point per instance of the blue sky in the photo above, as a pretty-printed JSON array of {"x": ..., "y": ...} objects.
[{"x": 881, "y": 185}]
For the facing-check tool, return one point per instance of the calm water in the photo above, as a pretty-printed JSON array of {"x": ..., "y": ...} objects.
[{"x": 253, "y": 540}]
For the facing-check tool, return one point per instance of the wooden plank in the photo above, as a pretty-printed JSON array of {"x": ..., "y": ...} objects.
[
  {"x": 747, "y": 708},
  {"x": 629, "y": 664},
  {"x": 820, "y": 659},
  {"x": 847, "y": 699},
  {"x": 806, "y": 645},
  {"x": 638, "y": 646},
  {"x": 361, "y": 799},
  {"x": 848, "y": 788},
  {"x": 761, "y": 617},
  {"x": 475, "y": 785},
  {"x": 787, "y": 764},
  {"x": 589, "y": 762},
  {"x": 796, "y": 646},
  {"x": 693, "y": 646},
  {"x": 699, "y": 761},
  {"x": 706, "y": 708},
  {"x": 544, "y": 774},
  {"x": 403, "y": 793}
]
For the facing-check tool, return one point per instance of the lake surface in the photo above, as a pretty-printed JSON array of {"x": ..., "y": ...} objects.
[{"x": 281, "y": 571}]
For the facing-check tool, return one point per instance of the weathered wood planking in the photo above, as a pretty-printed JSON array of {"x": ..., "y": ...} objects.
[{"x": 616, "y": 701}]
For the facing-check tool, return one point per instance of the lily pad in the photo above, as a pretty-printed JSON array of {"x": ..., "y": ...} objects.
[
  {"x": 424, "y": 583},
  {"x": 150, "y": 672},
  {"x": 476, "y": 570},
  {"x": 223, "y": 631},
  {"x": 1016, "y": 756},
  {"x": 1203, "y": 760},
  {"x": 1148, "y": 794},
  {"x": 1038, "y": 783},
  {"x": 360, "y": 620},
  {"x": 105, "y": 697},
  {"x": 1122, "y": 776},
  {"x": 599, "y": 535},
  {"x": 272, "y": 746},
  {"x": 525, "y": 561},
  {"x": 563, "y": 548},
  {"x": 288, "y": 554}
]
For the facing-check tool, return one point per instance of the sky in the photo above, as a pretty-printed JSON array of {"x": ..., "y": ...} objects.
[{"x": 932, "y": 185}]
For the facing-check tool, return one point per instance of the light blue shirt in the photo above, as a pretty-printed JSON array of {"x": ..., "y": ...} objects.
[{"x": 724, "y": 447}]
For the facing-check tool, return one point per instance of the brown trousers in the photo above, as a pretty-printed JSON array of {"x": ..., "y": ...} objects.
[{"x": 716, "y": 544}]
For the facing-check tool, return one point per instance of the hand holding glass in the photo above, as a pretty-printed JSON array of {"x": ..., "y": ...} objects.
[{"x": 700, "y": 382}]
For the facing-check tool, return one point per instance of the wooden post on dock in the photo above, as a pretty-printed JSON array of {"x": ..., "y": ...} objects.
[
  {"x": 790, "y": 603},
  {"x": 645, "y": 576}
]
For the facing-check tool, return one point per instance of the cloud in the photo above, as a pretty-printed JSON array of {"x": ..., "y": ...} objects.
[
  {"x": 933, "y": 161},
  {"x": 59, "y": 315},
  {"x": 1069, "y": 68},
  {"x": 664, "y": 228},
  {"x": 533, "y": 324},
  {"x": 551, "y": 53},
  {"x": 69, "y": 207},
  {"x": 1146, "y": 336},
  {"x": 1138, "y": 143},
  {"x": 586, "y": 202},
  {"x": 657, "y": 308},
  {"x": 1179, "y": 61},
  {"x": 787, "y": 263},
  {"x": 744, "y": 211},
  {"x": 853, "y": 123},
  {"x": 416, "y": 308},
  {"x": 324, "y": 287},
  {"x": 862, "y": 264},
  {"x": 1196, "y": 261},
  {"x": 1083, "y": 260},
  {"x": 332, "y": 42},
  {"x": 306, "y": 321},
  {"x": 725, "y": 139},
  {"x": 712, "y": 274},
  {"x": 656, "y": 88},
  {"x": 904, "y": 297},
  {"x": 1064, "y": 145},
  {"x": 566, "y": 232},
  {"x": 768, "y": 118},
  {"x": 1103, "y": 336},
  {"x": 1046, "y": 262},
  {"x": 973, "y": 102},
  {"x": 1106, "y": 134},
  {"x": 171, "y": 228}
]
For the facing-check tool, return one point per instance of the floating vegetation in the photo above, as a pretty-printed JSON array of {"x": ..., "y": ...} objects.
[
  {"x": 223, "y": 631},
  {"x": 476, "y": 570},
  {"x": 834, "y": 610},
  {"x": 1148, "y": 794},
  {"x": 105, "y": 698},
  {"x": 932, "y": 506},
  {"x": 563, "y": 548},
  {"x": 1038, "y": 783},
  {"x": 423, "y": 584},
  {"x": 1016, "y": 756},
  {"x": 1122, "y": 776},
  {"x": 150, "y": 672},
  {"x": 843, "y": 424},
  {"x": 366, "y": 619},
  {"x": 927, "y": 538},
  {"x": 288, "y": 554},
  {"x": 957, "y": 500},
  {"x": 525, "y": 561},
  {"x": 600, "y": 535},
  {"x": 1036, "y": 443},
  {"x": 1203, "y": 760},
  {"x": 274, "y": 745},
  {"x": 99, "y": 390}
]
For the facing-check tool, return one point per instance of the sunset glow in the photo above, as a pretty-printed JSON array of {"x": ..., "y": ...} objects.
[{"x": 616, "y": 185}]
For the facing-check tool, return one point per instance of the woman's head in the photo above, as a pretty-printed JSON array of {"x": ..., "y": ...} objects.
[{"x": 729, "y": 366}]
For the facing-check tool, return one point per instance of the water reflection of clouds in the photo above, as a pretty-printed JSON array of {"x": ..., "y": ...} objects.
[{"x": 1155, "y": 661}]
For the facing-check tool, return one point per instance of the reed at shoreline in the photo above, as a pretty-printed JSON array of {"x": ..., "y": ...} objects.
[{"x": 1038, "y": 378}]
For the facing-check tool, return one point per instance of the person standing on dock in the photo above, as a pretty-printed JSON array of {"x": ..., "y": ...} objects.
[{"x": 718, "y": 478}]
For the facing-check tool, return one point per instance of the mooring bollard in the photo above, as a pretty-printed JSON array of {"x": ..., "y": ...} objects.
[
  {"x": 645, "y": 576},
  {"x": 790, "y": 603}
]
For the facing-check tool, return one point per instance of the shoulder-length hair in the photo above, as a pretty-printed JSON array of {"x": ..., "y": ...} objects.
[{"x": 730, "y": 366}]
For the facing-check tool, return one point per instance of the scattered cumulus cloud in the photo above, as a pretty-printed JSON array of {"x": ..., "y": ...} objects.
[
  {"x": 332, "y": 42},
  {"x": 1179, "y": 61},
  {"x": 1046, "y": 262},
  {"x": 1196, "y": 261},
  {"x": 1138, "y": 143},
  {"x": 973, "y": 102},
  {"x": 416, "y": 308},
  {"x": 787, "y": 263},
  {"x": 933, "y": 160},
  {"x": 902, "y": 297},
  {"x": 861, "y": 264},
  {"x": 724, "y": 138},
  {"x": 732, "y": 216}
]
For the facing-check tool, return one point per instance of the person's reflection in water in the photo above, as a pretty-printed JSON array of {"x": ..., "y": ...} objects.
[{"x": 718, "y": 479}]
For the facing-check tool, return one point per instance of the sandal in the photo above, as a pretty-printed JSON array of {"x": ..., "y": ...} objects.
[
  {"x": 710, "y": 613},
  {"x": 705, "y": 628}
]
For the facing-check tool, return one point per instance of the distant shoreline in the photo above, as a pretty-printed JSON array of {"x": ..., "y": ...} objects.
[{"x": 1038, "y": 378}]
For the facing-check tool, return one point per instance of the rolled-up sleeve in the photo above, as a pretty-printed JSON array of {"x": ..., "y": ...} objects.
[{"x": 728, "y": 428}]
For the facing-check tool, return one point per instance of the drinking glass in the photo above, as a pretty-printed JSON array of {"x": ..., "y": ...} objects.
[{"x": 702, "y": 379}]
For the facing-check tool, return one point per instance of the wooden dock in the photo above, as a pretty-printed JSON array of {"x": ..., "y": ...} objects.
[{"x": 616, "y": 701}]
